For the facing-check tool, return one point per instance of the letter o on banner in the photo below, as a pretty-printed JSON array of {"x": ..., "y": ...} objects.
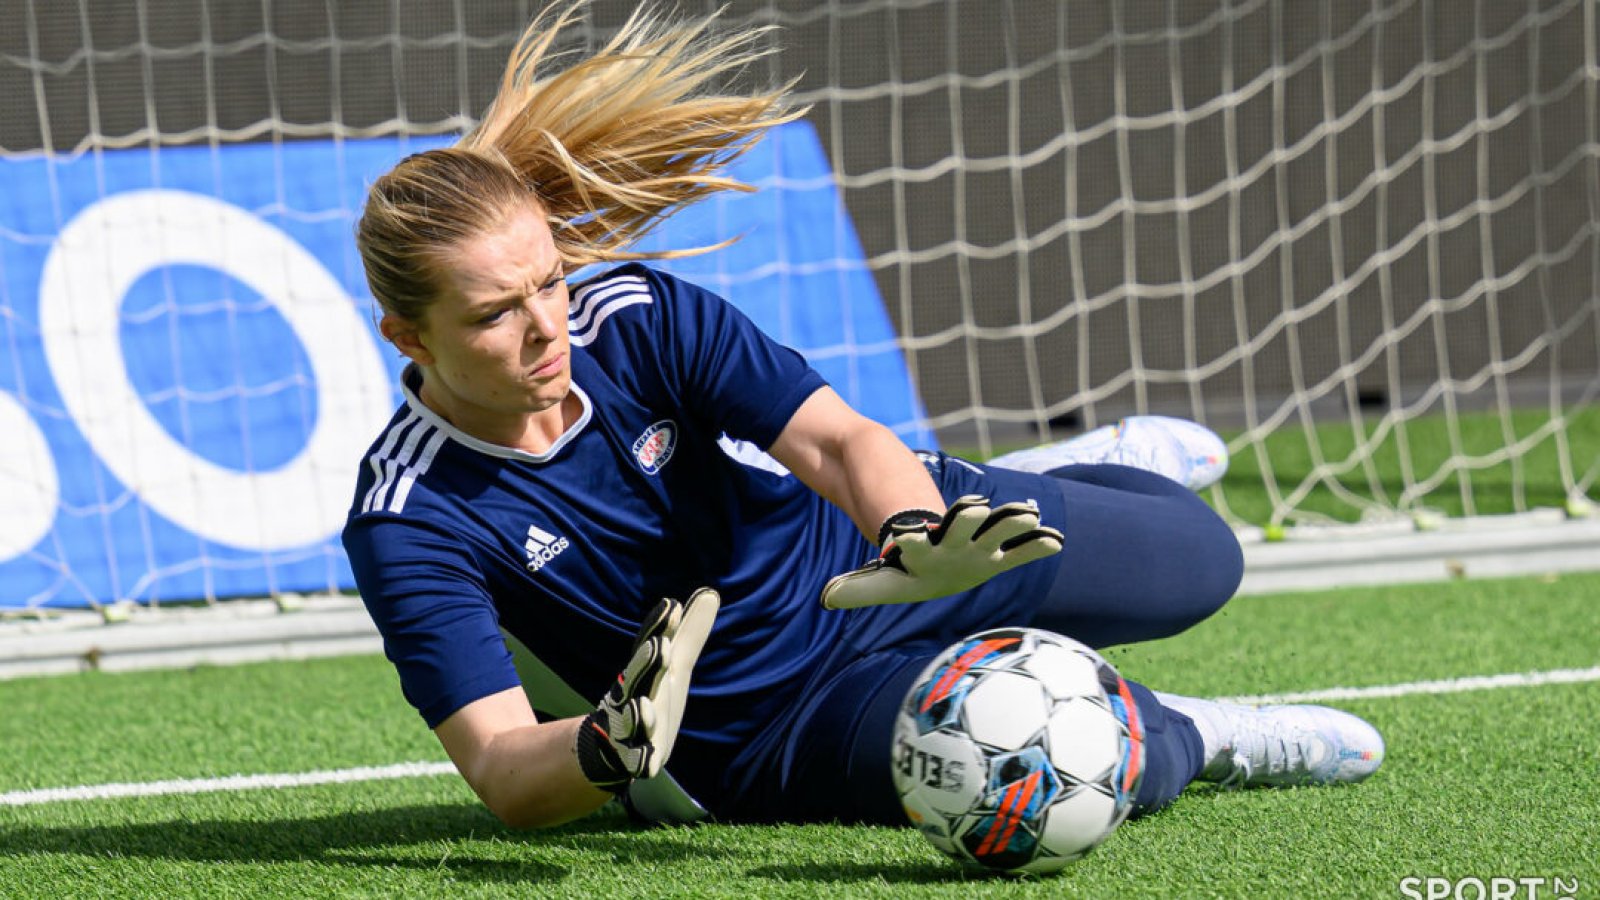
[
  {"x": 28, "y": 481},
  {"x": 98, "y": 257}
]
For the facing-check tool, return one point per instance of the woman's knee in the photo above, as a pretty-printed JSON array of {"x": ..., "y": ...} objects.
[
  {"x": 1139, "y": 564},
  {"x": 1213, "y": 573}
]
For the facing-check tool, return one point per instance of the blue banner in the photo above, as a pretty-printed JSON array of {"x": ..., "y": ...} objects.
[{"x": 190, "y": 371}]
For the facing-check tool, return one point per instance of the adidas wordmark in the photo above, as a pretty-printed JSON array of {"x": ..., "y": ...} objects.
[{"x": 542, "y": 546}]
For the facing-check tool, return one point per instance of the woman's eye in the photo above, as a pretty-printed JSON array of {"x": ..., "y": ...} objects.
[{"x": 491, "y": 318}]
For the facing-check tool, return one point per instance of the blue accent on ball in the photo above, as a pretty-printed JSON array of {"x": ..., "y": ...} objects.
[
  {"x": 1019, "y": 849},
  {"x": 1129, "y": 748},
  {"x": 1007, "y": 769},
  {"x": 985, "y": 661},
  {"x": 942, "y": 713},
  {"x": 1005, "y": 837}
]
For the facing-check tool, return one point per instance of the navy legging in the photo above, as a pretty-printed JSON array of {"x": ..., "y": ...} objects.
[
  {"x": 1143, "y": 558},
  {"x": 1136, "y": 571}
]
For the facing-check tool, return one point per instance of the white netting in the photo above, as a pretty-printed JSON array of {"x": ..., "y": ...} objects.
[{"x": 1362, "y": 239}]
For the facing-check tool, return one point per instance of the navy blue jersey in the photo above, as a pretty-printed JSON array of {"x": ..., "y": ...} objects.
[{"x": 660, "y": 487}]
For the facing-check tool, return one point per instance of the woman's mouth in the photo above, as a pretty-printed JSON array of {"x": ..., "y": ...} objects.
[{"x": 550, "y": 367}]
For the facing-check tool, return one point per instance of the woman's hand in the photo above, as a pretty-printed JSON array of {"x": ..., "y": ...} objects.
[{"x": 926, "y": 556}]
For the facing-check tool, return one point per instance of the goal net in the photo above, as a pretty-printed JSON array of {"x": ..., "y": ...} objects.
[{"x": 1360, "y": 239}]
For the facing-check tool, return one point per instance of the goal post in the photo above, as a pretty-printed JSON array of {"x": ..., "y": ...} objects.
[{"x": 1359, "y": 239}]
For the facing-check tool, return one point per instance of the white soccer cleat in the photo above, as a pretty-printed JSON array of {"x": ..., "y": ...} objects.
[
  {"x": 1281, "y": 746},
  {"x": 1185, "y": 451}
]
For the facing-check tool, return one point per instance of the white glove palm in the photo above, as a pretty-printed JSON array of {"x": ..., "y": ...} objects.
[
  {"x": 631, "y": 733},
  {"x": 926, "y": 556}
]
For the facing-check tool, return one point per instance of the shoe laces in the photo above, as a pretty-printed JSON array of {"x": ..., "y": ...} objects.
[
  {"x": 1149, "y": 458},
  {"x": 1264, "y": 744}
]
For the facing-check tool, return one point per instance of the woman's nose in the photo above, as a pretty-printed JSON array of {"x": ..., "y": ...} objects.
[{"x": 545, "y": 321}]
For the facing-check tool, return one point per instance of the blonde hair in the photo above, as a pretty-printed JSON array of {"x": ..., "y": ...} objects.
[{"x": 608, "y": 147}]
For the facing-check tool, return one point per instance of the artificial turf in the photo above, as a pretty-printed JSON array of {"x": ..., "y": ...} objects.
[{"x": 1495, "y": 783}]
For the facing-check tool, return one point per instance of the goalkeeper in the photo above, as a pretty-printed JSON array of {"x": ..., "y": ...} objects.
[{"x": 723, "y": 577}]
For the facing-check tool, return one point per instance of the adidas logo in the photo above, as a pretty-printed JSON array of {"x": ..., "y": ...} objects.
[{"x": 542, "y": 546}]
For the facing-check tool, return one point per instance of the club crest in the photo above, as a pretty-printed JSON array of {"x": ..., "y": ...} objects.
[{"x": 655, "y": 446}]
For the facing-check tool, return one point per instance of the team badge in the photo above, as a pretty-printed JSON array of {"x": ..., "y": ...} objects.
[{"x": 654, "y": 447}]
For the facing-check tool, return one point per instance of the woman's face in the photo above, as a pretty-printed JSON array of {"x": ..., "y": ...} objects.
[{"x": 494, "y": 345}]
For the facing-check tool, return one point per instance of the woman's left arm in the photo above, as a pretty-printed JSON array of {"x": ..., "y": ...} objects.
[
  {"x": 933, "y": 550},
  {"x": 855, "y": 463}
]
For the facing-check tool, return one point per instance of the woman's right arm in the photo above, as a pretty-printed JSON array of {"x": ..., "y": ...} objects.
[
  {"x": 425, "y": 593},
  {"x": 534, "y": 774},
  {"x": 430, "y": 603},
  {"x": 524, "y": 770}
]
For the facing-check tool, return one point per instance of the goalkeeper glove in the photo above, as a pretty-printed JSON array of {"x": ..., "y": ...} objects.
[
  {"x": 631, "y": 733},
  {"x": 927, "y": 556}
]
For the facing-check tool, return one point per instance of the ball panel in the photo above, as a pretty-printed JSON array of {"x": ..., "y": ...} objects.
[
  {"x": 1022, "y": 786},
  {"x": 943, "y": 768},
  {"x": 1085, "y": 740},
  {"x": 1029, "y": 768},
  {"x": 933, "y": 824},
  {"x": 1063, "y": 671},
  {"x": 1079, "y": 821},
  {"x": 998, "y": 842},
  {"x": 936, "y": 703},
  {"x": 1005, "y": 709}
]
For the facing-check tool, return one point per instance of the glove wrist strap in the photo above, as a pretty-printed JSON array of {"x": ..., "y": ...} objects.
[
  {"x": 598, "y": 759},
  {"x": 905, "y": 517}
]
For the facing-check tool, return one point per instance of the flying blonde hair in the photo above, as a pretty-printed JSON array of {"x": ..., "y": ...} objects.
[{"x": 609, "y": 146}]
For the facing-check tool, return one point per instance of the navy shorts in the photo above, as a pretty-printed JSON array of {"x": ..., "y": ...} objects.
[{"x": 1143, "y": 558}]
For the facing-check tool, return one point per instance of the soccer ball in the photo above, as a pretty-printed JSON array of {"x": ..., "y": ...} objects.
[{"x": 1018, "y": 750}]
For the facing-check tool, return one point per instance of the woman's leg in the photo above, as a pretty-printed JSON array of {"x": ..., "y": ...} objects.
[
  {"x": 1143, "y": 558},
  {"x": 1173, "y": 753},
  {"x": 835, "y": 763}
]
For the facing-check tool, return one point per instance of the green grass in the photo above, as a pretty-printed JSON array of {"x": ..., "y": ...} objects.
[
  {"x": 1531, "y": 481},
  {"x": 1490, "y": 783},
  {"x": 1262, "y": 475}
]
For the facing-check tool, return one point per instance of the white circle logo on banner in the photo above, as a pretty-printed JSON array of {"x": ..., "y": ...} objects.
[
  {"x": 28, "y": 481},
  {"x": 98, "y": 257}
]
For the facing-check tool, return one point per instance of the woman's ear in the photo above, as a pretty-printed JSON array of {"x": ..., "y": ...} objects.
[{"x": 405, "y": 335}]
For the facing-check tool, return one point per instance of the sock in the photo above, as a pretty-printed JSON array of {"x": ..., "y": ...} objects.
[{"x": 1203, "y": 713}]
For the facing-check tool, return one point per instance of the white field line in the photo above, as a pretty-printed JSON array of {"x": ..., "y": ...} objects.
[
  {"x": 425, "y": 769},
  {"x": 230, "y": 783},
  {"x": 1443, "y": 686}
]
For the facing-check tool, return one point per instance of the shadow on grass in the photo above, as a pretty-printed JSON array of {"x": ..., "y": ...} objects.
[
  {"x": 832, "y": 872},
  {"x": 461, "y": 841},
  {"x": 376, "y": 838}
]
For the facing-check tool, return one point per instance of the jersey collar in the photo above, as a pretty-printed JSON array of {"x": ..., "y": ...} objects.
[{"x": 411, "y": 382}]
